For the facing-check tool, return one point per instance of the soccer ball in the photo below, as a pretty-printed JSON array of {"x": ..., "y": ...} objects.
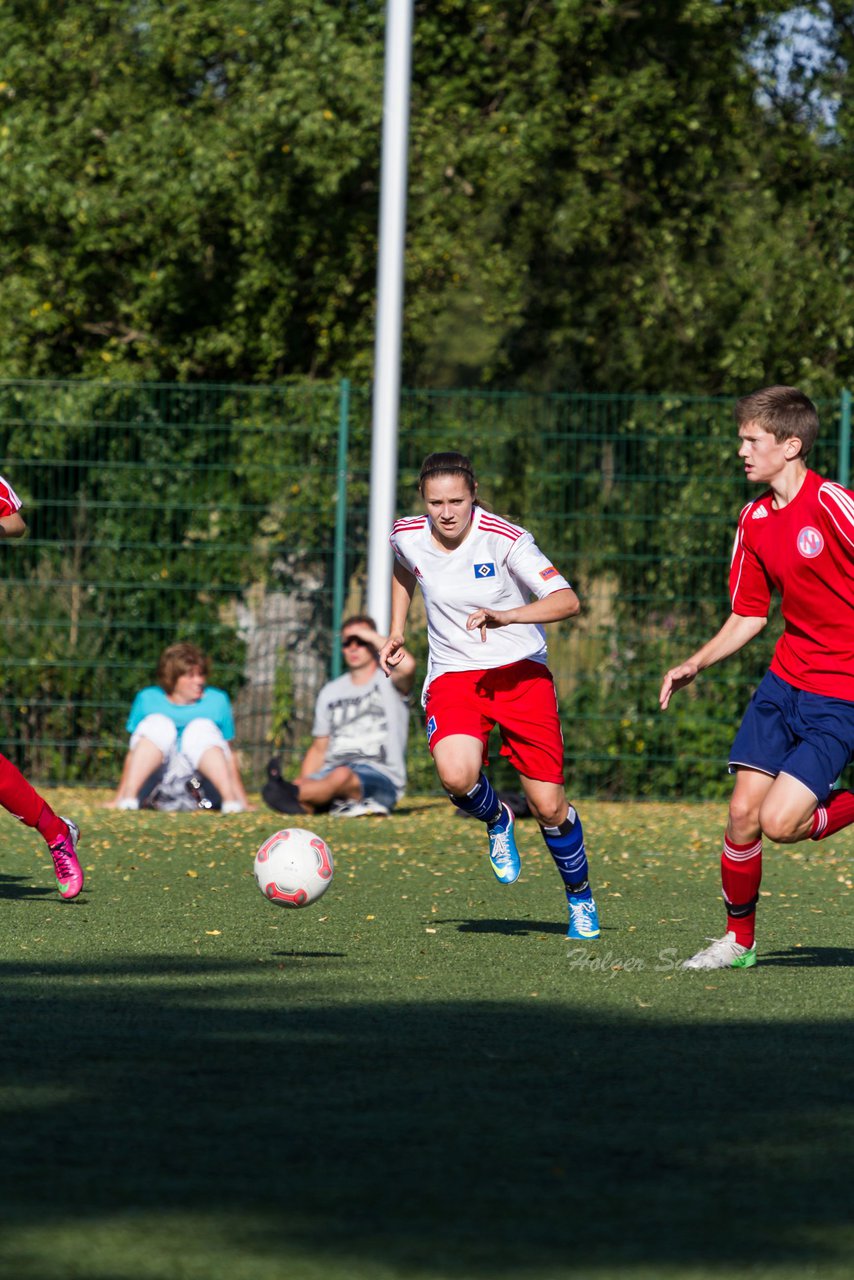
[{"x": 293, "y": 868}]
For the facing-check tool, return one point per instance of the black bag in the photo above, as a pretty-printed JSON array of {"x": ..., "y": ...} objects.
[
  {"x": 517, "y": 801},
  {"x": 277, "y": 792}
]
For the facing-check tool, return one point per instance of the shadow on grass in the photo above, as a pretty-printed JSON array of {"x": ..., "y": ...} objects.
[
  {"x": 309, "y": 955},
  {"x": 802, "y": 957},
  {"x": 22, "y": 887},
  {"x": 466, "y": 1138},
  {"x": 510, "y": 928}
]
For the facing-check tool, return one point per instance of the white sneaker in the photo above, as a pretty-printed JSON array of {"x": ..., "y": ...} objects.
[
  {"x": 129, "y": 802},
  {"x": 357, "y": 808},
  {"x": 233, "y": 806},
  {"x": 724, "y": 953}
]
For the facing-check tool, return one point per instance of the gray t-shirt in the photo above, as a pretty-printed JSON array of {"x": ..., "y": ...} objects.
[{"x": 365, "y": 724}]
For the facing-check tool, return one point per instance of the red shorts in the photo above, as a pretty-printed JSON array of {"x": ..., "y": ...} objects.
[{"x": 520, "y": 698}]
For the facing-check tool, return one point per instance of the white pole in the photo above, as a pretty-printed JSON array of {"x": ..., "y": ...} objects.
[{"x": 393, "y": 173}]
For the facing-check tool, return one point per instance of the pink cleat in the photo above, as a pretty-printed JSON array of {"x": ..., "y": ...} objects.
[{"x": 69, "y": 873}]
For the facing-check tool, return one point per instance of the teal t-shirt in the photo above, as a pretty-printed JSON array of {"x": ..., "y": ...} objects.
[{"x": 214, "y": 704}]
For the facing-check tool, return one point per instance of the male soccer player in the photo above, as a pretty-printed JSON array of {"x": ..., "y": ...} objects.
[
  {"x": 16, "y": 794},
  {"x": 797, "y": 734}
]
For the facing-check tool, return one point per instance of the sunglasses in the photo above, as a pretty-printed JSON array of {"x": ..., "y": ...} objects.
[{"x": 363, "y": 644}]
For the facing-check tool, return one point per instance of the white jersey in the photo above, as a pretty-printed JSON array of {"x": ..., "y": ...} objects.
[{"x": 497, "y": 566}]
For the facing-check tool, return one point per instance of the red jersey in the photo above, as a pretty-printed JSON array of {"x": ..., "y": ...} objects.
[
  {"x": 9, "y": 500},
  {"x": 806, "y": 551}
]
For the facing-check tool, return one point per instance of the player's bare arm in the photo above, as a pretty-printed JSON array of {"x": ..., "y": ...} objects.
[
  {"x": 13, "y": 526},
  {"x": 736, "y": 632},
  {"x": 552, "y": 608},
  {"x": 393, "y": 652}
]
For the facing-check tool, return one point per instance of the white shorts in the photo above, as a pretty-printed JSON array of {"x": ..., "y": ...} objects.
[{"x": 198, "y": 737}]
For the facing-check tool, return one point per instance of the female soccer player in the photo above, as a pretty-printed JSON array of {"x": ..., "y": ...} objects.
[
  {"x": 16, "y": 794},
  {"x": 487, "y": 667},
  {"x": 797, "y": 734}
]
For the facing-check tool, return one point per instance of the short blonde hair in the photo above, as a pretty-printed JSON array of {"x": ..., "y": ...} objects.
[{"x": 176, "y": 661}]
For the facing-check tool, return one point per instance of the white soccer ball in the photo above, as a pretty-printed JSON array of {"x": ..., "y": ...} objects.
[{"x": 294, "y": 867}]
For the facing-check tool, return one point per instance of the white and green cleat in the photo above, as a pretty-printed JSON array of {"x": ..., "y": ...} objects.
[{"x": 724, "y": 953}]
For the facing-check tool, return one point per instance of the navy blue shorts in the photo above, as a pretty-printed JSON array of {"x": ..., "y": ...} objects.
[{"x": 787, "y": 730}]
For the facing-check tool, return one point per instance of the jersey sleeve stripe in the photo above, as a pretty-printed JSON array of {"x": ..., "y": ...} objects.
[
  {"x": 839, "y": 505},
  {"x": 491, "y": 525},
  {"x": 738, "y": 532},
  {"x": 489, "y": 517},
  {"x": 735, "y": 582},
  {"x": 409, "y": 522},
  {"x": 737, "y": 558},
  {"x": 7, "y": 492}
]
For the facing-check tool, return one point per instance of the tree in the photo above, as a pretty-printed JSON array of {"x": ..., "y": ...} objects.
[
  {"x": 602, "y": 195},
  {"x": 188, "y": 195},
  {"x": 617, "y": 206}
]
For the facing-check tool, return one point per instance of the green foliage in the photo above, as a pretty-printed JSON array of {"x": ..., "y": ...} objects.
[
  {"x": 635, "y": 498},
  {"x": 606, "y": 196},
  {"x": 611, "y": 205},
  {"x": 163, "y": 512},
  {"x": 187, "y": 176},
  {"x": 153, "y": 512},
  {"x": 282, "y": 708}
]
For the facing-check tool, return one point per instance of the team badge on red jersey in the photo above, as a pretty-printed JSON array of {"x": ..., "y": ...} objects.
[{"x": 810, "y": 542}]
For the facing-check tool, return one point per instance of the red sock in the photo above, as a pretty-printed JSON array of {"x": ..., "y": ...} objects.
[
  {"x": 741, "y": 875},
  {"x": 836, "y": 812},
  {"x": 25, "y": 803}
]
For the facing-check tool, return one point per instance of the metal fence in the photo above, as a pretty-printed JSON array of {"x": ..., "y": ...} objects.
[{"x": 237, "y": 517}]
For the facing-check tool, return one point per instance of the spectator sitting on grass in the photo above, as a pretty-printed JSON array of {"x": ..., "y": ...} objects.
[
  {"x": 179, "y": 756},
  {"x": 356, "y": 763}
]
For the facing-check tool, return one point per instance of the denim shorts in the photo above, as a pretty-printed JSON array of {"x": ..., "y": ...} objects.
[
  {"x": 375, "y": 785},
  {"x": 787, "y": 730}
]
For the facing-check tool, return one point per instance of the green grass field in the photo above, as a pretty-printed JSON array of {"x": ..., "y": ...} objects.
[{"x": 419, "y": 1076}]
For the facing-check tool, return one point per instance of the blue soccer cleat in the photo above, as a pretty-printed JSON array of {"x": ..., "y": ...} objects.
[
  {"x": 503, "y": 854},
  {"x": 583, "y": 918}
]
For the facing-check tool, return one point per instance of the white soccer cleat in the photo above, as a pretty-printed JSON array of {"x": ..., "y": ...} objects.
[{"x": 724, "y": 953}]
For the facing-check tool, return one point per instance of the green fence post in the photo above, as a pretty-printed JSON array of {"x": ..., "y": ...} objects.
[
  {"x": 340, "y": 572},
  {"x": 844, "y": 467}
]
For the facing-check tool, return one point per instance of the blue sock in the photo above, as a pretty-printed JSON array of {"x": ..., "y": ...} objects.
[
  {"x": 481, "y": 802},
  {"x": 566, "y": 845}
]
